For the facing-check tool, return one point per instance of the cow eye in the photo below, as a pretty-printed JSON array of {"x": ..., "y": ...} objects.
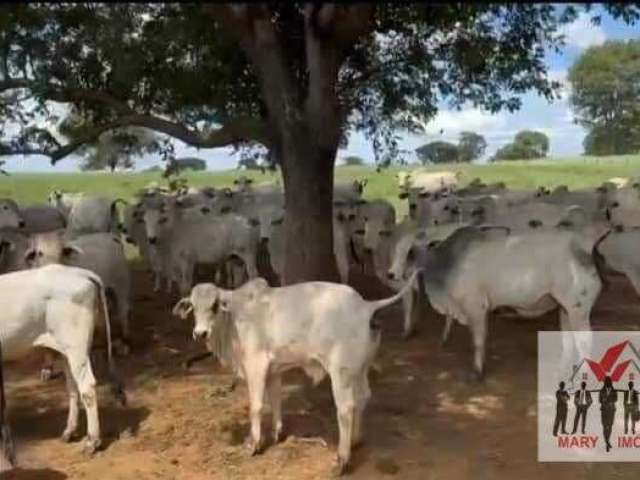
[
  {"x": 613, "y": 205},
  {"x": 163, "y": 220},
  {"x": 412, "y": 206},
  {"x": 366, "y": 219},
  {"x": 385, "y": 233},
  {"x": 359, "y": 232},
  {"x": 277, "y": 221},
  {"x": 446, "y": 208},
  {"x": 254, "y": 222}
]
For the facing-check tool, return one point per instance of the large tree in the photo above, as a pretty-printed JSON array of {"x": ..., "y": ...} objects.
[
  {"x": 305, "y": 74},
  {"x": 526, "y": 145},
  {"x": 606, "y": 97},
  {"x": 471, "y": 146},
  {"x": 438, "y": 152}
]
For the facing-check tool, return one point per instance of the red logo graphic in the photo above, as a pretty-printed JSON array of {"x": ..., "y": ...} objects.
[{"x": 603, "y": 367}]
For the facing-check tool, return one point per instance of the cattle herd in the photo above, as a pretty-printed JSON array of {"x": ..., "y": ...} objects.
[{"x": 467, "y": 250}]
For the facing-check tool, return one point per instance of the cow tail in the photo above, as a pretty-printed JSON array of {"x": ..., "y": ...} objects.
[
  {"x": 600, "y": 262},
  {"x": 117, "y": 386},
  {"x": 8, "y": 448}
]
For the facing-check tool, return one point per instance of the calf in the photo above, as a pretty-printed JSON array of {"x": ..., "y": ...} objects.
[
  {"x": 321, "y": 327},
  {"x": 57, "y": 307}
]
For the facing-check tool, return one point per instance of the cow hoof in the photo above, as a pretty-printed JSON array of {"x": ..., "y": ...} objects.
[
  {"x": 279, "y": 436},
  {"x": 474, "y": 376},
  {"x": 67, "y": 436},
  {"x": 253, "y": 447},
  {"x": 46, "y": 374},
  {"x": 91, "y": 446},
  {"x": 409, "y": 334},
  {"x": 340, "y": 468},
  {"x": 357, "y": 445}
]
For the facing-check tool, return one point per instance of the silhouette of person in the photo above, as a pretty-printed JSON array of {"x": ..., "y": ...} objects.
[
  {"x": 582, "y": 400},
  {"x": 630, "y": 405},
  {"x": 562, "y": 407},
  {"x": 608, "y": 398}
]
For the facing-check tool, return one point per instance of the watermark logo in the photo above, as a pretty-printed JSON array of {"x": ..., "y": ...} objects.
[{"x": 588, "y": 400}]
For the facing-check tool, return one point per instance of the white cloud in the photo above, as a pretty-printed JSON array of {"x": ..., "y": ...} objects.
[
  {"x": 582, "y": 33},
  {"x": 451, "y": 122}
]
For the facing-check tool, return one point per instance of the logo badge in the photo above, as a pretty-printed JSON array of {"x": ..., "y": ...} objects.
[{"x": 588, "y": 400}]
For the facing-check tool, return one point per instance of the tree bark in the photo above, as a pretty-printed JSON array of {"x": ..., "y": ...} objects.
[{"x": 308, "y": 183}]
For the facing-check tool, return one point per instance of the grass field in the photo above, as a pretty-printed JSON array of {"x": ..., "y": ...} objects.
[{"x": 574, "y": 172}]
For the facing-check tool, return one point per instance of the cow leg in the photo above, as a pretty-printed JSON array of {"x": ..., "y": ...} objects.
[
  {"x": 344, "y": 396},
  {"x": 363, "y": 394},
  {"x": 446, "y": 332},
  {"x": 256, "y": 374},
  {"x": 46, "y": 372},
  {"x": 478, "y": 327},
  {"x": 74, "y": 400},
  {"x": 82, "y": 373},
  {"x": 250, "y": 264},
  {"x": 407, "y": 305},
  {"x": 275, "y": 398}
]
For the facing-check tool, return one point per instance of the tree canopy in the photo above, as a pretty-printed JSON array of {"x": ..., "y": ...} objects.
[
  {"x": 471, "y": 146},
  {"x": 438, "y": 152},
  {"x": 606, "y": 98},
  {"x": 526, "y": 145},
  {"x": 353, "y": 160}
]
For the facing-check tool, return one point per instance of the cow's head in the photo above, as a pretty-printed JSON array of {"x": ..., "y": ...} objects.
[
  {"x": 48, "y": 248},
  {"x": 207, "y": 302},
  {"x": 10, "y": 214}
]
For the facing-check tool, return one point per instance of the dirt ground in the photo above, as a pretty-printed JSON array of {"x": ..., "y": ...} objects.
[{"x": 424, "y": 420}]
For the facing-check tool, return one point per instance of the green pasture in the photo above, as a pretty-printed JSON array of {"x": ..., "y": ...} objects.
[{"x": 578, "y": 172}]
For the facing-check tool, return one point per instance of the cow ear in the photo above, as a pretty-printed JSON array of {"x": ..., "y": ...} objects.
[
  {"x": 183, "y": 308},
  {"x": 69, "y": 250}
]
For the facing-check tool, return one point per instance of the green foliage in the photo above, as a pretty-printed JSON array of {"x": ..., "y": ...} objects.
[
  {"x": 438, "y": 152},
  {"x": 606, "y": 97},
  {"x": 526, "y": 145},
  {"x": 191, "y": 163},
  {"x": 353, "y": 160},
  {"x": 179, "y": 62},
  {"x": 113, "y": 149},
  {"x": 471, "y": 146}
]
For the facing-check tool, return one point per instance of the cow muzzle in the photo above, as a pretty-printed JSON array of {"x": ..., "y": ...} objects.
[{"x": 200, "y": 334}]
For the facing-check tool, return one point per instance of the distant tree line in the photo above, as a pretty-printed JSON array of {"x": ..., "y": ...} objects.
[{"x": 470, "y": 147}]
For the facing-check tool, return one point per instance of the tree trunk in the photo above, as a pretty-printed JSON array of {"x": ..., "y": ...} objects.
[{"x": 308, "y": 182}]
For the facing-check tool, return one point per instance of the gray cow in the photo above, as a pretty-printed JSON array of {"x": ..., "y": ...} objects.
[{"x": 478, "y": 269}]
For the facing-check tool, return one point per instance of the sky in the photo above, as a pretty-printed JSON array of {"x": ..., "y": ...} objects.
[{"x": 553, "y": 118}]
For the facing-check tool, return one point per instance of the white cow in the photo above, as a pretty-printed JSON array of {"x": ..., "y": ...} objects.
[
  {"x": 58, "y": 307},
  {"x": 319, "y": 326},
  {"x": 100, "y": 253},
  {"x": 427, "y": 181},
  {"x": 87, "y": 214}
]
